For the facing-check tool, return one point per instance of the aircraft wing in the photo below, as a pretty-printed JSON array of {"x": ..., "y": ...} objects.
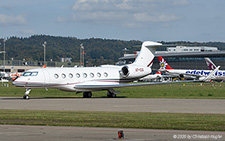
[{"x": 106, "y": 87}]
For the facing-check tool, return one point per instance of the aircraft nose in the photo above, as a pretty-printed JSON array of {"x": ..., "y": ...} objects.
[
  {"x": 18, "y": 83},
  {"x": 15, "y": 83}
]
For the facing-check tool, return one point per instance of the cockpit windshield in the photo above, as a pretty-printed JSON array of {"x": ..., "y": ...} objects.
[{"x": 30, "y": 74}]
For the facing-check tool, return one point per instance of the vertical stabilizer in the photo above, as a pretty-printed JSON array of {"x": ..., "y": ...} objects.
[
  {"x": 147, "y": 54},
  {"x": 210, "y": 64},
  {"x": 163, "y": 64}
]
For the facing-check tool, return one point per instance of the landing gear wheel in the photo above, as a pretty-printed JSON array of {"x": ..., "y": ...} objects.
[
  {"x": 87, "y": 94},
  {"x": 26, "y": 97},
  {"x": 26, "y": 93},
  {"x": 111, "y": 95}
]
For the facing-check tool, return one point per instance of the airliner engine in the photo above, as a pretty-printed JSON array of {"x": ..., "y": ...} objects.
[{"x": 133, "y": 71}]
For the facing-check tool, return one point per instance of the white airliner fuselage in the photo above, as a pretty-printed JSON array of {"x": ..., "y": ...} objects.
[
  {"x": 69, "y": 79},
  {"x": 218, "y": 75}
]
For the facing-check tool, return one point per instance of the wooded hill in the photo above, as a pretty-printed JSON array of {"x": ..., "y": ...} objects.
[{"x": 98, "y": 51}]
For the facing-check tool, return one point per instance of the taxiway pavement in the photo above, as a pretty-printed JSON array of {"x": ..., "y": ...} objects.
[
  {"x": 56, "y": 133},
  {"x": 116, "y": 104}
]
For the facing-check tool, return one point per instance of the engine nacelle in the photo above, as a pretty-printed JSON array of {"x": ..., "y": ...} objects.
[{"x": 133, "y": 71}]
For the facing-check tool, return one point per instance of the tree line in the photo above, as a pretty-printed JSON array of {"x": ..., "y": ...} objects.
[{"x": 97, "y": 51}]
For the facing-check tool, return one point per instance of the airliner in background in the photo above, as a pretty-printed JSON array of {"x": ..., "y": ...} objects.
[
  {"x": 201, "y": 75},
  {"x": 88, "y": 79},
  {"x": 212, "y": 66},
  {"x": 157, "y": 76},
  {"x": 209, "y": 63}
]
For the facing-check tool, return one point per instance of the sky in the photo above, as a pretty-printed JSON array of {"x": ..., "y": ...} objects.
[{"x": 154, "y": 20}]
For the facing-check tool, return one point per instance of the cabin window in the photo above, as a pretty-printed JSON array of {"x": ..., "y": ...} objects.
[
  {"x": 71, "y": 75},
  {"x": 56, "y": 76},
  {"x": 63, "y": 75},
  {"x": 30, "y": 74},
  {"x": 92, "y": 75},
  {"x": 26, "y": 73},
  {"x": 106, "y": 74},
  {"x": 34, "y": 73},
  {"x": 77, "y": 75},
  {"x": 99, "y": 74},
  {"x": 84, "y": 75}
]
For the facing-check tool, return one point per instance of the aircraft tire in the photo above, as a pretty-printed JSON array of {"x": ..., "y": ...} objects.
[
  {"x": 111, "y": 95},
  {"x": 87, "y": 94},
  {"x": 26, "y": 97}
]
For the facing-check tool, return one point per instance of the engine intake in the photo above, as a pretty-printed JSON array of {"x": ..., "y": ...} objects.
[
  {"x": 125, "y": 71},
  {"x": 133, "y": 71}
]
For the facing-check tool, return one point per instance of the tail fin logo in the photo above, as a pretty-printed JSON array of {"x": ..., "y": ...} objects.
[
  {"x": 163, "y": 64},
  {"x": 210, "y": 64},
  {"x": 211, "y": 67}
]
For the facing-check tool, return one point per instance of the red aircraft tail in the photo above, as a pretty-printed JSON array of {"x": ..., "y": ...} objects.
[{"x": 163, "y": 64}]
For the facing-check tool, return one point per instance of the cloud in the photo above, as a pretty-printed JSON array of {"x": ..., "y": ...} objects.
[
  {"x": 129, "y": 13},
  {"x": 180, "y": 2},
  {"x": 144, "y": 17},
  {"x": 99, "y": 16},
  {"x": 61, "y": 19},
  {"x": 27, "y": 32},
  {"x": 12, "y": 20}
]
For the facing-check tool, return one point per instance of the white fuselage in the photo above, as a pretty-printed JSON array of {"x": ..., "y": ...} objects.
[{"x": 68, "y": 78}]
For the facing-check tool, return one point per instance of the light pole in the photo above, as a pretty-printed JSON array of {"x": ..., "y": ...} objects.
[
  {"x": 44, "y": 45},
  {"x": 4, "y": 53},
  {"x": 82, "y": 55},
  {"x": 1, "y": 51}
]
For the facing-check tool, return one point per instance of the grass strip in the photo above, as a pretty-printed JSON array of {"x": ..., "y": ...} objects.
[
  {"x": 179, "y": 91},
  {"x": 176, "y": 121}
]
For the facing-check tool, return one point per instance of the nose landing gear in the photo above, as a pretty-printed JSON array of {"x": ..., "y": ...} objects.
[{"x": 26, "y": 93}]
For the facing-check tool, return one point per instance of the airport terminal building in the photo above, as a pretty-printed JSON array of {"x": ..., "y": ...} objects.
[{"x": 182, "y": 57}]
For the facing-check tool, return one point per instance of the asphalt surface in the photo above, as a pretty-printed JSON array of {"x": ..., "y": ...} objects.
[
  {"x": 56, "y": 133},
  {"x": 116, "y": 104}
]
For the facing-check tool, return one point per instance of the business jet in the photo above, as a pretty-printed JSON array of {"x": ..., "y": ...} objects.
[
  {"x": 88, "y": 79},
  {"x": 201, "y": 75}
]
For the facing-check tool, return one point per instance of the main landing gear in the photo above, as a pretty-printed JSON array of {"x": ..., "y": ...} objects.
[
  {"x": 87, "y": 94},
  {"x": 26, "y": 93},
  {"x": 112, "y": 93}
]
